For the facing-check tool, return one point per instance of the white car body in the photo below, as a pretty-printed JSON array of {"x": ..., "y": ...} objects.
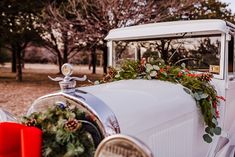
[
  {"x": 159, "y": 113},
  {"x": 162, "y": 114}
]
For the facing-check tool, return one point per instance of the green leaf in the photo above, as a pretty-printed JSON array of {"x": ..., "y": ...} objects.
[
  {"x": 203, "y": 96},
  {"x": 153, "y": 73},
  {"x": 156, "y": 67},
  {"x": 207, "y": 138},
  {"x": 131, "y": 68},
  {"x": 217, "y": 130},
  {"x": 96, "y": 82},
  {"x": 197, "y": 96},
  {"x": 187, "y": 90},
  {"x": 149, "y": 77},
  {"x": 164, "y": 73},
  {"x": 149, "y": 67},
  {"x": 47, "y": 151},
  {"x": 208, "y": 130},
  {"x": 213, "y": 111},
  {"x": 117, "y": 75},
  {"x": 214, "y": 121}
]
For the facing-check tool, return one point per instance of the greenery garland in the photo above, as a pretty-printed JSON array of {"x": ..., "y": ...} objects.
[
  {"x": 63, "y": 132},
  {"x": 197, "y": 85}
]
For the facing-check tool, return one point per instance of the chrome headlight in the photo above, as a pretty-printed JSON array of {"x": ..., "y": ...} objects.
[{"x": 122, "y": 146}]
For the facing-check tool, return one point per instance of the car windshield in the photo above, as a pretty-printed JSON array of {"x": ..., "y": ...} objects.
[{"x": 199, "y": 53}]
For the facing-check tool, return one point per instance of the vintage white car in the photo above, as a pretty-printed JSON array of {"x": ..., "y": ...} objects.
[{"x": 159, "y": 113}]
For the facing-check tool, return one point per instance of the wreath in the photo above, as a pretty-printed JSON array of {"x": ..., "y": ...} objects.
[
  {"x": 64, "y": 131},
  {"x": 196, "y": 84}
]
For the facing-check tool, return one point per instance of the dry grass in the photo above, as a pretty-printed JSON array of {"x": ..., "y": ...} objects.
[{"x": 16, "y": 97}]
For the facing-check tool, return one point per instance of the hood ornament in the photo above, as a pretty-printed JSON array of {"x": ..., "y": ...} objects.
[{"x": 68, "y": 83}]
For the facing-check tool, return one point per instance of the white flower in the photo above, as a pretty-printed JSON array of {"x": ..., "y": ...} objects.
[
  {"x": 156, "y": 67},
  {"x": 149, "y": 67},
  {"x": 117, "y": 76},
  {"x": 96, "y": 82},
  {"x": 149, "y": 77},
  {"x": 153, "y": 73}
]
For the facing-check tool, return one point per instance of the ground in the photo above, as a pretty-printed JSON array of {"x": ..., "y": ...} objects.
[{"x": 17, "y": 97}]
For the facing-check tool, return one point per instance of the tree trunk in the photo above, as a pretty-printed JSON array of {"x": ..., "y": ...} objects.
[
  {"x": 19, "y": 66},
  {"x": 94, "y": 59},
  {"x": 105, "y": 59},
  {"x": 164, "y": 53},
  {"x": 65, "y": 57},
  {"x": 22, "y": 57},
  {"x": 59, "y": 58},
  {"x": 13, "y": 61},
  {"x": 138, "y": 53}
]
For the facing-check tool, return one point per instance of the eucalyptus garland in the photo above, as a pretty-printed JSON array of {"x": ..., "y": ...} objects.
[
  {"x": 197, "y": 85},
  {"x": 63, "y": 132}
]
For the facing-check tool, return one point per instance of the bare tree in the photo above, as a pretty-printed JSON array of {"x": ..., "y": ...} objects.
[
  {"x": 102, "y": 15},
  {"x": 60, "y": 36},
  {"x": 90, "y": 20},
  {"x": 19, "y": 28}
]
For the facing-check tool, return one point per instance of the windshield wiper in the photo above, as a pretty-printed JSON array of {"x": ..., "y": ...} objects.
[{"x": 177, "y": 48}]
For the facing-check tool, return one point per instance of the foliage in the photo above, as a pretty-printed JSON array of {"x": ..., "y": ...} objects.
[
  {"x": 62, "y": 37},
  {"x": 4, "y": 56},
  {"x": 84, "y": 24},
  {"x": 209, "y": 9},
  {"x": 104, "y": 15},
  {"x": 63, "y": 132},
  {"x": 19, "y": 27},
  {"x": 212, "y": 9},
  {"x": 197, "y": 85}
]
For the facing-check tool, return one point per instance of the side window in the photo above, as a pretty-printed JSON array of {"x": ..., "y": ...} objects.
[
  {"x": 231, "y": 49},
  {"x": 233, "y": 38}
]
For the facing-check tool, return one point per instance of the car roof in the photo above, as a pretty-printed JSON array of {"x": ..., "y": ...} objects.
[{"x": 173, "y": 28}]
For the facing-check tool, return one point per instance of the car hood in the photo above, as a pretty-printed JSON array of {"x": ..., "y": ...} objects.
[{"x": 140, "y": 104}]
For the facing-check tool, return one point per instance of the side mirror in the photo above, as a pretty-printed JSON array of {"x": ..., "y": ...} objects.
[
  {"x": 122, "y": 146},
  {"x": 6, "y": 116}
]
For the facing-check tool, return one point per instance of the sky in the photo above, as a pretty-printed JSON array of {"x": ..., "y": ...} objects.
[{"x": 232, "y": 4}]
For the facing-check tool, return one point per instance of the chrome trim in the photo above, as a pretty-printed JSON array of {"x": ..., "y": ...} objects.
[
  {"x": 108, "y": 123},
  {"x": 68, "y": 83},
  {"x": 6, "y": 116}
]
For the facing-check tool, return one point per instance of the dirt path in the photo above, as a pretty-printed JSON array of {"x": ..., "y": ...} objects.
[{"x": 17, "y": 97}]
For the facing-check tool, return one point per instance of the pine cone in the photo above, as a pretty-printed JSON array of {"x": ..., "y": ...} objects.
[
  {"x": 141, "y": 69},
  {"x": 73, "y": 125},
  {"x": 31, "y": 122},
  {"x": 112, "y": 72},
  {"x": 206, "y": 77},
  {"x": 107, "y": 78}
]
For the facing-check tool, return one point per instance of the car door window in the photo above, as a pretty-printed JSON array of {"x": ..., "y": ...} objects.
[{"x": 231, "y": 49}]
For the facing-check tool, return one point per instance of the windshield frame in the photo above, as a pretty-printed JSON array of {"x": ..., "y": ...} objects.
[{"x": 111, "y": 54}]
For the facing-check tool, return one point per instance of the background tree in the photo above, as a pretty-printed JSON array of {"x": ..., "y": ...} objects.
[
  {"x": 103, "y": 15},
  {"x": 70, "y": 26},
  {"x": 4, "y": 57},
  {"x": 19, "y": 28},
  {"x": 209, "y": 9},
  {"x": 60, "y": 35}
]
